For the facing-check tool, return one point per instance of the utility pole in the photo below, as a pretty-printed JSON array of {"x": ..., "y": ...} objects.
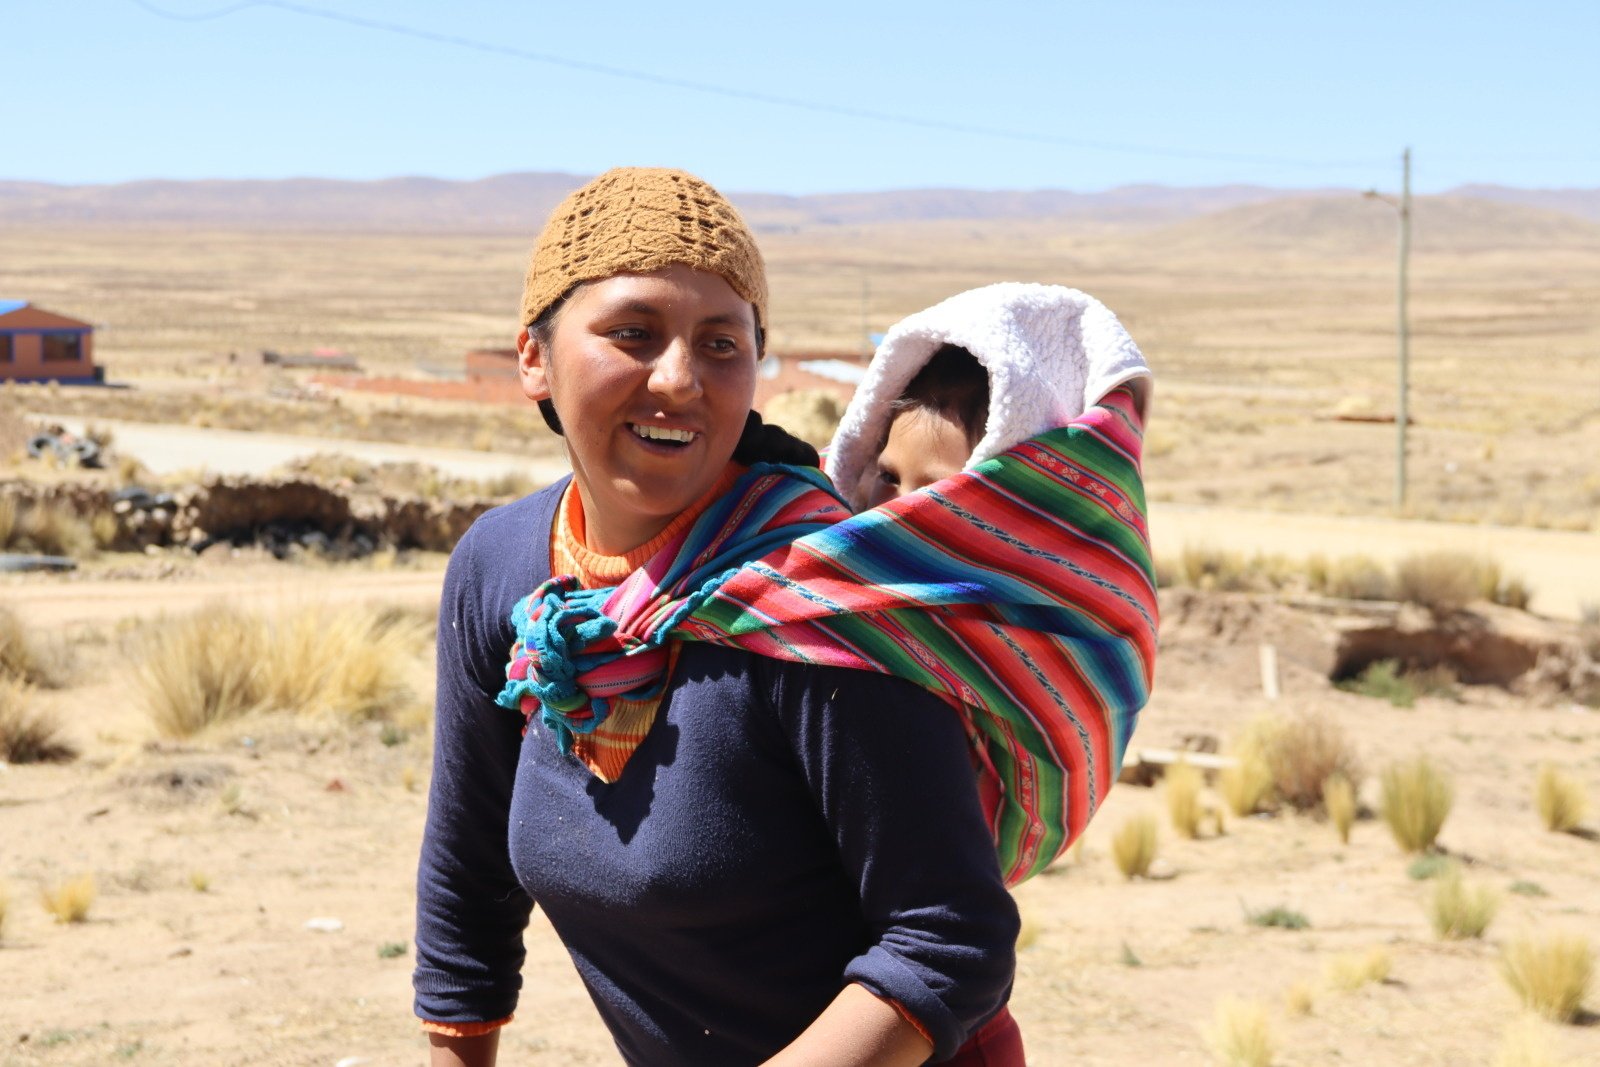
[{"x": 1402, "y": 417}]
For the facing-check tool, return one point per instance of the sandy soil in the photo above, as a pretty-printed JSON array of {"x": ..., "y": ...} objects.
[{"x": 290, "y": 822}]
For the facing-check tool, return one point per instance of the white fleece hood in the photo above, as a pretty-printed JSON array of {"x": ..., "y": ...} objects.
[{"x": 1050, "y": 352}]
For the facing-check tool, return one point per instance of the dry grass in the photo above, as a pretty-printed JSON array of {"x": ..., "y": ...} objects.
[
  {"x": 1417, "y": 797},
  {"x": 1303, "y": 752},
  {"x": 1300, "y": 999},
  {"x": 1339, "y": 800},
  {"x": 1350, "y": 578},
  {"x": 1560, "y": 799},
  {"x": 71, "y": 900},
  {"x": 1133, "y": 845},
  {"x": 1349, "y": 971},
  {"x": 1526, "y": 1044},
  {"x": 220, "y": 664},
  {"x": 1550, "y": 975},
  {"x": 1459, "y": 911},
  {"x": 1246, "y": 786},
  {"x": 1239, "y": 1034},
  {"x": 28, "y": 735},
  {"x": 48, "y": 529},
  {"x": 1444, "y": 582},
  {"x": 25, "y": 658},
  {"x": 1183, "y": 783},
  {"x": 200, "y": 881},
  {"x": 810, "y": 414}
]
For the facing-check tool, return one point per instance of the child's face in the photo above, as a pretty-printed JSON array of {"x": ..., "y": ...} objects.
[{"x": 923, "y": 447}]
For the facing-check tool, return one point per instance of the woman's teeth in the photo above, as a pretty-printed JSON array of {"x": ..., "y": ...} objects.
[{"x": 661, "y": 433}]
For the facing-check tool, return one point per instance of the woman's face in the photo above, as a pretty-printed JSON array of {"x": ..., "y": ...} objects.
[{"x": 652, "y": 376}]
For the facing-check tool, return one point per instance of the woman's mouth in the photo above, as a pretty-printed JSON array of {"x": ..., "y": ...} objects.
[{"x": 662, "y": 436}]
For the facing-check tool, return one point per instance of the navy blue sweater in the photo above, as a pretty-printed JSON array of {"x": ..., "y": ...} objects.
[{"x": 782, "y": 831}]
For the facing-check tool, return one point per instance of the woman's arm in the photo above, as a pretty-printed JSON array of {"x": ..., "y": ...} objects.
[
  {"x": 856, "y": 1030},
  {"x": 888, "y": 765},
  {"x": 463, "y": 1051}
]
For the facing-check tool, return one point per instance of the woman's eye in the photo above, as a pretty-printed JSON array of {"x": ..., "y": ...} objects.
[
  {"x": 724, "y": 346},
  {"x": 628, "y": 333}
]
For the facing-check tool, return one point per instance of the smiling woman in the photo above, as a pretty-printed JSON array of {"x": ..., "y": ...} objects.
[{"x": 736, "y": 857}]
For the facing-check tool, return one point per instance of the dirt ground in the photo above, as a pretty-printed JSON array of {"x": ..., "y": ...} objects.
[{"x": 288, "y": 822}]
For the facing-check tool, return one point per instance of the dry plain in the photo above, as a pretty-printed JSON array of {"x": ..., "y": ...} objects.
[{"x": 1261, "y": 328}]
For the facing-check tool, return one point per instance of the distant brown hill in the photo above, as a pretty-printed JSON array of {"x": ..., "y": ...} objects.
[
  {"x": 1251, "y": 216},
  {"x": 523, "y": 201},
  {"x": 1352, "y": 224}
]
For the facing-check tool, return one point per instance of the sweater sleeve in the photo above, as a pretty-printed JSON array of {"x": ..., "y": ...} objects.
[
  {"x": 887, "y": 762},
  {"x": 471, "y": 910}
]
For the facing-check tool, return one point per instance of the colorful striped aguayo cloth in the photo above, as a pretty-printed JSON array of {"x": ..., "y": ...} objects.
[{"x": 1020, "y": 590}]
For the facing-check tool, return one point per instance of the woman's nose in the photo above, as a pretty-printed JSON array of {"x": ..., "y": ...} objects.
[{"x": 673, "y": 375}]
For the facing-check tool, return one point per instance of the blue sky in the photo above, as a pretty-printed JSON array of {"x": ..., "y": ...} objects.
[{"x": 1073, "y": 95}]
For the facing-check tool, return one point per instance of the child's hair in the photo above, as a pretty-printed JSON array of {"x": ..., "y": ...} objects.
[{"x": 951, "y": 383}]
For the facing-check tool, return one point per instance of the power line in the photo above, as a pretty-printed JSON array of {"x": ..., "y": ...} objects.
[{"x": 797, "y": 103}]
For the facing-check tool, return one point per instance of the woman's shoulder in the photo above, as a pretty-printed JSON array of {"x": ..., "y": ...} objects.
[{"x": 514, "y": 528}]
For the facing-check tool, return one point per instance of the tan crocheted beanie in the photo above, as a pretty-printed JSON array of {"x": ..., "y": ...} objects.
[{"x": 640, "y": 219}]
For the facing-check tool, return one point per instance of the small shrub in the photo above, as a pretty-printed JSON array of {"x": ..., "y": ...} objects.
[
  {"x": 1279, "y": 917},
  {"x": 391, "y": 950},
  {"x": 1339, "y": 799},
  {"x": 1300, "y": 998},
  {"x": 1526, "y": 1044},
  {"x": 1550, "y": 975},
  {"x": 1417, "y": 797},
  {"x": 1382, "y": 680},
  {"x": 70, "y": 901},
  {"x": 1349, "y": 971},
  {"x": 28, "y": 735},
  {"x": 1560, "y": 799},
  {"x": 52, "y": 530},
  {"x": 1239, "y": 1034},
  {"x": 1133, "y": 845},
  {"x": 1459, "y": 911},
  {"x": 1442, "y": 582},
  {"x": 1182, "y": 786},
  {"x": 1524, "y": 888},
  {"x": 1356, "y": 578},
  {"x": 1303, "y": 753},
  {"x": 1429, "y": 865}
]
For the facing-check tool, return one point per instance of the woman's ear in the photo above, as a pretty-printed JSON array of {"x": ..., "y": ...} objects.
[{"x": 531, "y": 366}]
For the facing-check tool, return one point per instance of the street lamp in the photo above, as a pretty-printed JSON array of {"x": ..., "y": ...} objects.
[{"x": 1401, "y": 419}]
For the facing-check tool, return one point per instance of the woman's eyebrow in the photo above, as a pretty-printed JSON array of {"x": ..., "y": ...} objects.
[{"x": 726, "y": 319}]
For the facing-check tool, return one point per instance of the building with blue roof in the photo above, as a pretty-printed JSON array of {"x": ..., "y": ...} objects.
[{"x": 40, "y": 346}]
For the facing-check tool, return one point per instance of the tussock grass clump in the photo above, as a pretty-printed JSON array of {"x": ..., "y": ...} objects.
[
  {"x": 1183, "y": 783},
  {"x": 1206, "y": 567},
  {"x": 1442, "y": 582},
  {"x": 1526, "y": 1044},
  {"x": 49, "y": 529},
  {"x": 1550, "y": 975},
  {"x": 1417, "y": 797},
  {"x": 1300, "y": 999},
  {"x": 28, "y": 735},
  {"x": 221, "y": 664},
  {"x": 1239, "y": 1034},
  {"x": 1303, "y": 753},
  {"x": 810, "y": 414},
  {"x": 1349, "y": 971},
  {"x": 1246, "y": 786},
  {"x": 1458, "y": 910},
  {"x": 200, "y": 881},
  {"x": 1133, "y": 845},
  {"x": 1560, "y": 799},
  {"x": 25, "y": 658},
  {"x": 71, "y": 900},
  {"x": 1339, "y": 800},
  {"x": 1350, "y": 578}
]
